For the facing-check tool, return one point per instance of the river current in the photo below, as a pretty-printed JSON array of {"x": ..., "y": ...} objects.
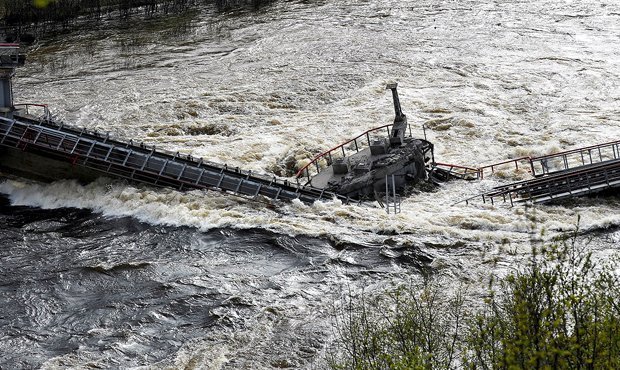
[{"x": 115, "y": 275}]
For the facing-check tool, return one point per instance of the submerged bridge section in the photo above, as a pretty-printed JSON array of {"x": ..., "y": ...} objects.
[
  {"x": 87, "y": 155},
  {"x": 557, "y": 176}
]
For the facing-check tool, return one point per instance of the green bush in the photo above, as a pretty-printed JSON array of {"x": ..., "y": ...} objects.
[
  {"x": 560, "y": 311},
  {"x": 410, "y": 327}
]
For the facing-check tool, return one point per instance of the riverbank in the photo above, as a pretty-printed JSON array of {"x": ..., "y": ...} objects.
[{"x": 27, "y": 21}]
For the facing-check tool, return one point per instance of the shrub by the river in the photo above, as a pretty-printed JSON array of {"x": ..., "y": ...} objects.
[
  {"x": 410, "y": 327},
  {"x": 560, "y": 311}
]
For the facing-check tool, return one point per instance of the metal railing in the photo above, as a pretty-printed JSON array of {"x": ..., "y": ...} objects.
[
  {"x": 570, "y": 159},
  {"x": 139, "y": 163},
  {"x": 546, "y": 164},
  {"x": 558, "y": 186},
  {"x": 493, "y": 167},
  {"x": 329, "y": 155},
  {"x": 10, "y": 56},
  {"x": 479, "y": 172},
  {"x": 46, "y": 116},
  {"x": 458, "y": 170}
]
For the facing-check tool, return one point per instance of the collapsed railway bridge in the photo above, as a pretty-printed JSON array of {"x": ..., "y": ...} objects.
[
  {"x": 41, "y": 148},
  {"x": 47, "y": 151}
]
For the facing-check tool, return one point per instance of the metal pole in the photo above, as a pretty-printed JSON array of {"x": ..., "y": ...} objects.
[
  {"x": 394, "y": 189},
  {"x": 387, "y": 196},
  {"x": 394, "y": 193}
]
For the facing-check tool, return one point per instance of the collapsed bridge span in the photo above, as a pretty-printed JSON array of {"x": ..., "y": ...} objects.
[
  {"x": 48, "y": 151},
  {"x": 567, "y": 174},
  {"x": 39, "y": 147}
]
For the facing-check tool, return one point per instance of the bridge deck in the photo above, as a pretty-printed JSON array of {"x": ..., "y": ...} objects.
[
  {"x": 589, "y": 179},
  {"x": 125, "y": 160}
]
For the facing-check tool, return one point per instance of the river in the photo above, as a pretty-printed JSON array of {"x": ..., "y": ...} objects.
[{"x": 115, "y": 275}]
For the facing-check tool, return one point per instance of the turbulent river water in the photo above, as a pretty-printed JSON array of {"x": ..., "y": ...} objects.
[{"x": 115, "y": 275}]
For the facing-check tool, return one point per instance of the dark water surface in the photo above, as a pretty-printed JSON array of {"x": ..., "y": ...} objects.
[{"x": 76, "y": 283}]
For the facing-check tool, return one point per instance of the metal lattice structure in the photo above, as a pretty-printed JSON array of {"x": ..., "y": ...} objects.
[
  {"x": 125, "y": 160},
  {"x": 572, "y": 173},
  {"x": 589, "y": 179}
]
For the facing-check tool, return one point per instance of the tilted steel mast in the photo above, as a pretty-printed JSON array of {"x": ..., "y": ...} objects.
[{"x": 399, "y": 128}]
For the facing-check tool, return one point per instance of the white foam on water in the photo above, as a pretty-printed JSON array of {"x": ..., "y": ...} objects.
[{"x": 425, "y": 215}]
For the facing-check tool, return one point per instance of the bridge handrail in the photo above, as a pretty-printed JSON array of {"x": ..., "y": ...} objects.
[
  {"x": 46, "y": 112},
  {"x": 531, "y": 160},
  {"x": 466, "y": 168},
  {"x": 615, "y": 145},
  {"x": 318, "y": 157},
  {"x": 479, "y": 171},
  {"x": 577, "y": 150},
  {"x": 517, "y": 186},
  {"x": 511, "y": 191},
  {"x": 515, "y": 161},
  {"x": 561, "y": 176}
]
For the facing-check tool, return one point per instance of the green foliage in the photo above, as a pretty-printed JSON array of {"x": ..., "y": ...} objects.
[
  {"x": 410, "y": 327},
  {"x": 561, "y": 311}
]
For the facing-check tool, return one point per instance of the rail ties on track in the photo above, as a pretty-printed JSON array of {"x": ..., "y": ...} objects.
[{"x": 147, "y": 165}]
